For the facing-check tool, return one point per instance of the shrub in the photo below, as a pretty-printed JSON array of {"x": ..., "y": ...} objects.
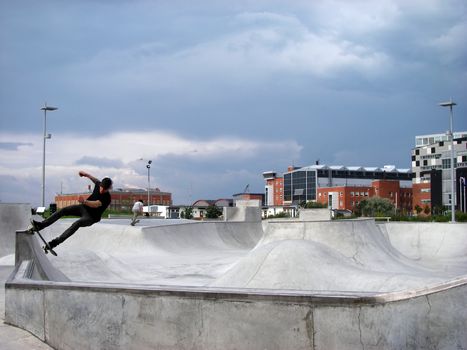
[
  {"x": 213, "y": 212},
  {"x": 282, "y": 214},
  {"x": 314, "y": 205},
  {"x": 376, "y": 206}
]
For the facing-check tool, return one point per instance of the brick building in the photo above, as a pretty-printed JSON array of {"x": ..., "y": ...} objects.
[
  {"x": 122, "y": 199},
  {"x": 346, "y": 184},
  {"x": 274, "y": 189},
  {"x": 349, "y": 197}
]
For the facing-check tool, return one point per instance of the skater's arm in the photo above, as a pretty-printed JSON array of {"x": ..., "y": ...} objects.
[
  {"x": 91, "y": 204},
  {"x": 89, "y": 176}
]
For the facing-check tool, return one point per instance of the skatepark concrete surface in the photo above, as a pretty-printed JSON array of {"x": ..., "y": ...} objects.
[
  {"x": 284, "y": 284},
  {"x": 13, "y": 216}
]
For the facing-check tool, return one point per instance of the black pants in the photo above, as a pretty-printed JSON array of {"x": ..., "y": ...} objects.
[{"x": 73, "y": 210}]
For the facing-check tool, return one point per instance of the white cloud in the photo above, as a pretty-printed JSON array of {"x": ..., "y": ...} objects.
[{"x": 117, "y": 155}]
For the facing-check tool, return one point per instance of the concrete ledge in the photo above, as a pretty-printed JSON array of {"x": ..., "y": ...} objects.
[
  {"x": 78, "y": 315},
  {"x": 252, "y": 294}
]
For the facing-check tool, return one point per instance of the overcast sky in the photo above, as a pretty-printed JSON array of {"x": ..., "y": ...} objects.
[{"x": 217, "y": 92}]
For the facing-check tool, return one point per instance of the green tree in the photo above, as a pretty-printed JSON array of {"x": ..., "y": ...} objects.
[
  {"x": 418, "y": 209},
  {"x": 213, "y": 212},
  {"x": 427, "y": 210},
  {"x": 437, "y": 210},
  {"x": 187, "y": 213},
  {"x": 376, "y": 206}
]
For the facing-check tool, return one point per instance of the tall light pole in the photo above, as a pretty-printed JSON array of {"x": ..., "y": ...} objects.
[
  {"x": 148, "y": 166},
  {"x": 46, "y": 136},
  {"x": 450, "y": 104}
]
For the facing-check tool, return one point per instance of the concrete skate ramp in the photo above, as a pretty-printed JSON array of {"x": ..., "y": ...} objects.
[
  {"x": 295, "y": 285},
  {"x": 440, "y": 245},
  {"x": 32, "y": 263},
  {"x": 346, "y": 256},
  {"x": 351, "y": 256},
  {"x": 193, "y": 253}
]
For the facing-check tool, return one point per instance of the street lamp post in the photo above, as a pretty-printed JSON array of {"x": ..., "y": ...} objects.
[
  {"x": 46, "y": 136},
  {"x": 148, "y": 166},
  {"x": 450, "y": 104}
]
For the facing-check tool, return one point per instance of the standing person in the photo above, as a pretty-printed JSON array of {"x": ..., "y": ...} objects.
[
  {"x": 137, "y": 210},
  {"x": 89, "y": 210}
]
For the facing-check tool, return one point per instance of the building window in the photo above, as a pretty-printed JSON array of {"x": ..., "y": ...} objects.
[
  {"x": 288, "y": 187},
  {"x": 433, "y": 150},
  {"x": 446, "y": 163}
]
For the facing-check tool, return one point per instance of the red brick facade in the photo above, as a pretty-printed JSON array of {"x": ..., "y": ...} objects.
[
  {"x": 422, "y": 195},
  {"x": 277, "y": 186},
  {"x": 121, "y": 200},
  {"x": 349, "y": 197},
  {"x": 279, "y": 191}
]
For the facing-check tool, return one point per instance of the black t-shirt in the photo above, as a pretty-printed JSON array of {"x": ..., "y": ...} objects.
[{"x": 104, "y": 198}]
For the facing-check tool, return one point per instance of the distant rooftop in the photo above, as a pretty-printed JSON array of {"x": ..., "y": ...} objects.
[
  {"x": 424, "y": 140},
  {"x": 385, "y": 168}
]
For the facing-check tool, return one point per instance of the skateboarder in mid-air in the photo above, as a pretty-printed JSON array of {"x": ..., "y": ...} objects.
[{"x": 89, "y": 211}]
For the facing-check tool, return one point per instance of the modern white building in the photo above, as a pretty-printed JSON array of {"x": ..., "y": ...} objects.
[{"x": 431, "y": 166}]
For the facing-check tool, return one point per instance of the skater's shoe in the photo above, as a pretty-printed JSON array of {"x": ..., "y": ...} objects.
[
  {"x": 49, "y": 247},
  {"x": 33, "y": 227}
]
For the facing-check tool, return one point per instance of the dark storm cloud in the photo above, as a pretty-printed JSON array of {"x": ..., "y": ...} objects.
[{"x": 348, "y": 81}]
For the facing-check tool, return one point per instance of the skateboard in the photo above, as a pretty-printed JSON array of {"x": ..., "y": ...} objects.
[
  {"x": 47, "y": 248},
  {"x": 134, "y": 223}
]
